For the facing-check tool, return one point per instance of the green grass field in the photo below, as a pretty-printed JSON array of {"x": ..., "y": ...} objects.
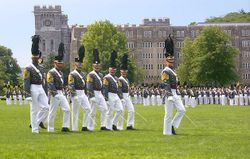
[{"x": 221, "y": 132}]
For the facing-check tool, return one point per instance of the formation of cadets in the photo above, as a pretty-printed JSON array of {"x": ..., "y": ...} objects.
[
  {"x": 88, "y": 91},
  {"x": 193, "y": 96}
]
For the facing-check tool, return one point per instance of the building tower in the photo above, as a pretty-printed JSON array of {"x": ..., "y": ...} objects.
[{"x": 53, "y": 28}]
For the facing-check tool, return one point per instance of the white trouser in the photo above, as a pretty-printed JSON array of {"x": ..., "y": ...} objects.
[
  {"x": 193, "y": 102},
  {"x": 20, "y": 99},
  {"x": 200, "y": 99},
  {"x": 146, "y": 101},
  {"x": 39, "y": 106},
  {"x": 114, "y": 103},
  {"x": 97, "y": 100},
  {"x": 14, "y": 98},
  {"x": 236, "y": 100},
  {"x": 131, "y": 111},
  {"x": 170, "y": 102},
  {"x": 205, "y": 99},
  {"x": 153, "y": 100},
  {"x": 186, "y": 100},
  {"x": 241, "y": 99},
  {"x": 245, "y": 100},
  {"x": 80, "y": 99},
  {"x": 8, "y": 101},
  {"x": 211, "y": 99},
  {"x": 59, "y": 99},
  {"x": 231, "y": 101},
  {"x": 222, "y": 99},
  {"x": 159, "y": 100}
]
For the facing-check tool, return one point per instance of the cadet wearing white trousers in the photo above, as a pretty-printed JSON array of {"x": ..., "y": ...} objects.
[
  {"x": 169, "y": 83},
  {"x": 94, "y": 87},
  {"x": 33, "y": 79},
  {"x": 55, "y": 87}
]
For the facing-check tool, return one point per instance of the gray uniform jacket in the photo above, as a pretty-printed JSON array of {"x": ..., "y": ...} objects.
[
  {"x": 94, "y": 83},
  {"x": 169, "y": 80},
  {"x": 75, "y": 82},
  {"x": 55, "y": 82}
]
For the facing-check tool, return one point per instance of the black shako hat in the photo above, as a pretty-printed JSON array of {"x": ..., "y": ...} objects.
[
  {"x": 35, "y": 46},
  {"x": 169, "y": 48},
  {"x": 112, "y": 59},
  {"x": 124, "y": 64},
  {"x": 59, "y": 57},
  {"x": 81, "y": 53},
  {"x": 96, "y": 59}
]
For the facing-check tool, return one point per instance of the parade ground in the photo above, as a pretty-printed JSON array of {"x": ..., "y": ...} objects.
[{"x": 215, "y": 132}]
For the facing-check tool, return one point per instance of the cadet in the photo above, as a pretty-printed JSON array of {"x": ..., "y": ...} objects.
[
  {"x": 33, "y": 78},
  {"x": 112, "y": 94},
  {"x": 94, "y": 87},
  {"x": 127, "y": 103},
  {"x": 55, "y": 88},
  {"x": 77, "y": 85},
  {"x": 169, "y": 79}
]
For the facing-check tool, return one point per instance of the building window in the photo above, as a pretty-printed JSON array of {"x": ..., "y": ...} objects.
[
  {"x": 245, "y": 32},
  {"x": 164, "y": 34},
  {"x": 130, "y": 45},
  {"x": 180, "y": 34},
  {"x": 147, "y": 34},
  {"x": 161, "y": 44},
  {"x": 129, "y": 34},
  {"x": 147, "y": 44},
  {"x": 245, "y": 54},
  {"x": 179, "y": 44},
  {"x": 43, "y": 45},
  {"x": 245, "y": 43},
  {"x": 52, "y": 45},
  {"x": 159, "y": 34}
]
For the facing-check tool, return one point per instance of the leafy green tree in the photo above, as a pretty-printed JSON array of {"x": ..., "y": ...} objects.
[
  {"x": 9, "y": 69},
  {"x": 208, "y": 59},
  {"x": 240, "y": 16},
  {"x": 106, "y": 37}
]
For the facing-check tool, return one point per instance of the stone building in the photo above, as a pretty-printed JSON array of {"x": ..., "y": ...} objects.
[{"x": 146, "y": 40}]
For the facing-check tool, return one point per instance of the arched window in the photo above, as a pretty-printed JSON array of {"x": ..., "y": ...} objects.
[
  {"x": 52, "y": 45},
  {"x": 44, "y": 45}
]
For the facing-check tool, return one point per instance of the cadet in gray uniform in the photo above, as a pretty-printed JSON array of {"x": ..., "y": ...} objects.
[
  {"x": 55, "y": 88},
  {"x": 94, "y": 87},
  {"x": 111, "y": 92},
  {"x": 77, "y": 85},
  {"x": 169, "y": 83},
  {"x": 33, "y": 79},
  {"x": 127, "y": 103}
]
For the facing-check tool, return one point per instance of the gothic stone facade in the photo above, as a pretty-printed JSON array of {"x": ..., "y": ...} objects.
[{"x": 146, "y": 40}]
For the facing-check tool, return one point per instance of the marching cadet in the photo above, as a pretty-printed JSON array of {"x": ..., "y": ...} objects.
[
  {"x": 8, "y": 94},
  {"x": 33, "y": 77},
  {"x": 55, "y": 88},
  {"x": 77, "y": 85},
  {"x": 169, "y": 83},
  {"x": 127, "y": 103},
  {"x": 245, "y": 96},
  {"x": 94, "y": 87},
  {"x": 112, "y": 94}
]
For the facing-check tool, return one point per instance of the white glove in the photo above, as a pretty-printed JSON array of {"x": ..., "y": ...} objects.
[
  {"x": 123, "y": 101},
  {"x": 57, "y": 96},
  {"x": 29, "y": 99},
  {"x": 92, "y": 99},
  {"x": 170, "y": 98},
  {"x": 75, "y": 97}
]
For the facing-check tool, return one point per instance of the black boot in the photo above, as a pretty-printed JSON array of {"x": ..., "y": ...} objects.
[
  {"x": 64, "y": 129},
  {"x": 173, "y": 131},
  {"x": 104, "y": 128},
  {"x": 42, "y": 126},
  {"x": 130, "y": 128},
  {"x": 114, "y": 128},
  {"x": 85, "y": 129}
]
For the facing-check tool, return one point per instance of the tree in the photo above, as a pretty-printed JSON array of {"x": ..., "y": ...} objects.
[
  {"x": 208, "y": 59},
  {"x": 240, "y": 16},
  {"x": 106, "y": 37},
  {"x": 9, "y": 69}
]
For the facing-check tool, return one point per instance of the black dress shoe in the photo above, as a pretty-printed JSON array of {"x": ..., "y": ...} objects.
[
  {"x": 42, "y": 126},
  {"x": 114, "y": 128},
  {"x": 30, "y": 126},
  {"x": 130, "y": 128},
  {"x": 104, "y": 128},
  {"x": 85, "y": 129},
  {"x": 64, "y": 129},
  {"x": 173, "y": 131}
]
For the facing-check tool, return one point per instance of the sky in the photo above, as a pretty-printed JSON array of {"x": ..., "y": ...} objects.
[{"x": 17, "y": 22}]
